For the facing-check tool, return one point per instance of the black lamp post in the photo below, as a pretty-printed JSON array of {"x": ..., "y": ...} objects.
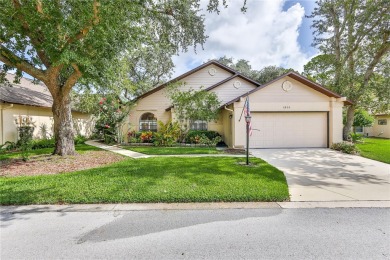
[{"x": 248, "y": 121}]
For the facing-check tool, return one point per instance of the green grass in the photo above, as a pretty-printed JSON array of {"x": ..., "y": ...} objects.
[
  {"x": 154, "y": 150},
  {"x": 202, "y": 179},
  {"x": 375, "y": 148},
  {"x": 80, "y": 148}
]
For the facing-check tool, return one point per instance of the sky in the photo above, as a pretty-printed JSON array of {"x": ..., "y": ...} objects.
[{"x": 271, "y": 32}]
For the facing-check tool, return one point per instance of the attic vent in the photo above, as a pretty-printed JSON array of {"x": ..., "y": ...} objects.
[
  {"x": 237, "y": 84},
  {"x": 212, "y": 71},
  {"x": 287, "y": 85}
]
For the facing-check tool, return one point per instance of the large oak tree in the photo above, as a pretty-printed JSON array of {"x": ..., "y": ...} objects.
[
  {"x": 353, "y": 36},
  {"x": 64, "y": 42}
]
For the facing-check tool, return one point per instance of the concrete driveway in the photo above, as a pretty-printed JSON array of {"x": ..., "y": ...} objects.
[{"x": 327, "y": 175}]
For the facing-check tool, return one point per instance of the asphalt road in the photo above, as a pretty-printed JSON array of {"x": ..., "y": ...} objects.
[{"x": 341, "y": 233}]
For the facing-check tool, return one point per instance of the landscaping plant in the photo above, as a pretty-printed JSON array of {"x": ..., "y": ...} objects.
[
  {"x": 168, "y": 134},
  {"x": 345, "y": 147},
  {"x": 111, "y": 115},
  {"x": 25, "y": 134},
  {"x": 355, "y": 137},
  {"x": 147, "y": 137}
]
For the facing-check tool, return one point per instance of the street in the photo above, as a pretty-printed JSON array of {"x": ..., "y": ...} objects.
[{"x": 271, "y": 233}]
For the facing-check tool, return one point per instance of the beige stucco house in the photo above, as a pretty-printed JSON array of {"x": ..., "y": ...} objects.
[
  {"x": 380, "y": 127},
  {"x": 290, "y": 111},
  {"x": 29, "y": 100}
]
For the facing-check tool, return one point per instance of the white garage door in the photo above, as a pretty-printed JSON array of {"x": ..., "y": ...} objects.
[{"x": 289, "y": 130}]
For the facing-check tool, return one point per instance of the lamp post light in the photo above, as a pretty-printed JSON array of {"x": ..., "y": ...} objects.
[{"x": 248, "y": 121}]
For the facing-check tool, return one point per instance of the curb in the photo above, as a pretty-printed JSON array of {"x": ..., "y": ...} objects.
[{"x": 192, "y": 206}]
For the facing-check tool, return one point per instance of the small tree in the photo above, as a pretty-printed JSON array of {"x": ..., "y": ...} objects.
[
  {"x": 111, "y": 115},
  {"x": 194, "y": 105},
  {"x": 362, "y": 118}
]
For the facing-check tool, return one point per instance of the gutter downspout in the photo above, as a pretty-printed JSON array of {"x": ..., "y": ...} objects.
[{"x": 2, "y": 107}]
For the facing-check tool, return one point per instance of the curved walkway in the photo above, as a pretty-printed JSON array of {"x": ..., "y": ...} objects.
[
  {"x": 118, "y": 150},
  {"x": 137, "y": 155}
]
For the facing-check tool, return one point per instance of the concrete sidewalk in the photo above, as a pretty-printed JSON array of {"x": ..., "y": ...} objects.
[
  {"x": 136, "y": 155},
  {"x": 191, "y": 206}
]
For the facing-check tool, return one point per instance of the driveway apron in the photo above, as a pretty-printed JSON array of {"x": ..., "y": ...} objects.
[{"x": 326, "y": 175}]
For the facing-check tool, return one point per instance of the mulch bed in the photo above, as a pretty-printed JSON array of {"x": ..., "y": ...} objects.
[{"x": 52, "y": 164}]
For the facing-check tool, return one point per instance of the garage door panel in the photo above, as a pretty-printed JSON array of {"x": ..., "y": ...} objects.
[{"x": 289, "y": 130}]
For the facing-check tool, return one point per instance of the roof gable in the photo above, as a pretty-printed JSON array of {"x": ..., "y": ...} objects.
[
  {"x": 212, "y": 62},
  {"x": 299, "y": 78}
]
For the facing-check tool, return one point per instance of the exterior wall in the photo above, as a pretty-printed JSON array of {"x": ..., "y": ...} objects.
[
  {"x": 158, "y": 102},
  {"x": 83, "y": 123},
  {"x": 217, "y": 126},
  {"x": 202, "y": 78},
  {"x": 335, "y": 121},
  {"x": 227, "y": 91},
  {"x": 273, "y": 98},
  {"x": 379, "y": 130},
  {"x": 227, "y": 132}
]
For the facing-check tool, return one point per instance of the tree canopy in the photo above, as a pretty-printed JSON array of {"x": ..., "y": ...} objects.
[
  {"x": 94, "y": 42},
  {"x": 353, "y": 37},
  {"x": 194, "y": 104},
  {"x": 262, "y": 76}
]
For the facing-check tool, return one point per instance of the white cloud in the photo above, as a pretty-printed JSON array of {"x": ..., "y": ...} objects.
[{"x": 264, "y": 35}]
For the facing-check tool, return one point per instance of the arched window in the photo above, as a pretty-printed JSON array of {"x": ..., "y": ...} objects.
[{"x": 148, "y": 122}]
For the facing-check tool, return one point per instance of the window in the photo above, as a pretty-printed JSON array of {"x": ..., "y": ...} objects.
[
  {"x": 148, "y": 122},
  {"x": 198, "y": 125},
  {"x": 359, "y": 129},
  {"x": 382, "y": 122}
]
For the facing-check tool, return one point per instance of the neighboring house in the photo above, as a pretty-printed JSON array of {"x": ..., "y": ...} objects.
[
  {"x": 380, "y": 127},
  {"x": 34, "y": 101},
  {"x": 290, "y": 111}
]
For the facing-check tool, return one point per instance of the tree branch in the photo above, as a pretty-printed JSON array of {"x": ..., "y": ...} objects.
[
  {"x": 11, "y": 59},
  {"x": 83, "y": 32},
  {"x": 71, "y": 81},
  {"x": 35, "y": 41},
  {"x": 382, "y": 50}
]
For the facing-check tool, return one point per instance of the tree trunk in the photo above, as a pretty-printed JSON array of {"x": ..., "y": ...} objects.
[
  {"x": 349, "y": 122},
  {"x": 63, "y": 125}
]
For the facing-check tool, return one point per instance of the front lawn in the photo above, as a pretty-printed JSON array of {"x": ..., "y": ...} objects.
[
  {"x": 80, "y": 148},
  {"x": 155, "y": 150},
  {"x": 375, "y": 148},
  {"x": 202, "y": 179}
]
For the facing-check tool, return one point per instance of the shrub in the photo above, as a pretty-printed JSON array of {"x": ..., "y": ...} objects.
[
  {"x": 168, "y": 134},
  {"x": 193, "y": 136},
  {"x": 80, "y": 139},
  {"x": 25, "y": 140},
  {"x": 8, "y": 146},
  {"x": 345, "y": 147},
  {"x": 111, "y": 115},
  {"x": 209, "y": 142},
  {"x": 147, "y": 137},
  {"x": 42, "y": 143},
  {"x": 355, "y": 137},
  {"x": 134, "y": 137}
]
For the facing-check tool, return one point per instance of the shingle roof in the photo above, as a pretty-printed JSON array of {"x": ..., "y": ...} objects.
[{"x": 25, "y": 93}]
